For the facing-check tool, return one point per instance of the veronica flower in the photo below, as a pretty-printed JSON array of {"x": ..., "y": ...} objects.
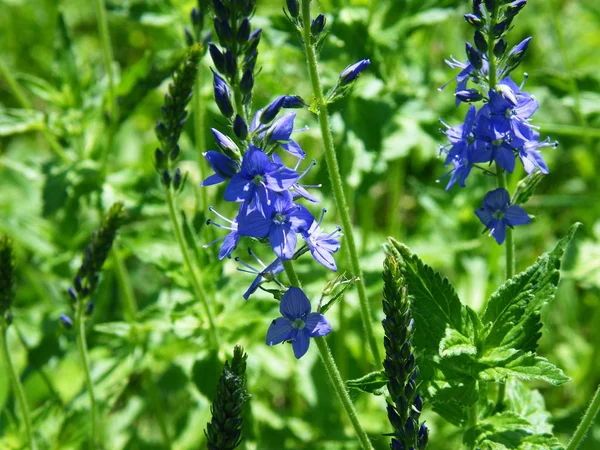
[
  {"x": 299, "y": 190},
  {"x": 280, "y": 223},
  {"x": 353, "y": 71},
  {"x": 465, "y": 73},
  {"x": 266, "y": 275},
  {"x": 298, "y": 323},
  {"x": 230, "y": 240},
  {"x": 322, "y": 245},
  {"x": 529, "y": 153},
  {"x": 282, "y": 128},
  {"x": 497, "y": 213},
  {"x": 500, "y": 145},
  {"x": 258, "y": 179}
]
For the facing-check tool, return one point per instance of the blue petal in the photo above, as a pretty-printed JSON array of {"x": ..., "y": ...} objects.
[
  {"x": 224, "y": 142},
  {"x": 279, "y": 331},
  {"x": 280, "y": 178},
  {"x": 300, "y": 344},
  {"x": 317, "y": 325},
  {"x": 253, "y": 287},
  {"x": 300, "y": 218},
  {"x": 485, "y": 216},
  {"x": 282, "y": 240},
  {"x": 294, "y": 304},
  {"x": 254, "y": 162},
  {"x": 215, "y": 178},
  {"x": 516, "y": 215},
  {"x": 505, "y": 158},
  {"x": 294, "y": 148},
  {"x": 499, "y": 231},
  {"x": 323, "y": 257},
  {"x": 229, "y": 244},
  {"x": 254, "y": 225},
  {"x": 238, "y": 189},
  {"x": 496, "y": 200},
  {"x": 282, "y": 129}
]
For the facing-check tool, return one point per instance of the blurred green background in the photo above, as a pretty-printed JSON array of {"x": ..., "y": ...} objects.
[{"x": 388, "y": 143}]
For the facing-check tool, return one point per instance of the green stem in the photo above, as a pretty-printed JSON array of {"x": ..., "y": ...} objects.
[
  {"x": 26, "y": 104},
  {"x": 333, "y": 372},
  {"x": 336, "y": 180},
  {"x": 189, "y": 267},
  {"x": 85, "y": 362},
  {"x": 586, "y": 422},
  {"x": 200, "y": 138},
  {"x": 510, "y": 246},
  {"x": 107, "y": 53},
  {"x": 18, "y": 387}
]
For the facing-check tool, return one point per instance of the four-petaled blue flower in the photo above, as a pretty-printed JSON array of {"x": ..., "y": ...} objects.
[
  {"x": 497, "y": 213},
  {"x": 279, "y": 222},
  {"x": 322, "y": 245},
  {"x": 258, "y": 179},
  {"x": 298, "y": 323}
]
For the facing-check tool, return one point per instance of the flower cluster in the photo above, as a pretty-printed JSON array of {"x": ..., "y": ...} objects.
[
  {"x": 224, "y": 431},
  {"x": 499, "y": 131},
  {"x": 400, "y": 367},
  {"x": 95, "y": 255}
]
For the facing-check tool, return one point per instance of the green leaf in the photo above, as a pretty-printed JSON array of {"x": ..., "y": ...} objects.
[
  {"x": 453, "y": 400},
  {"x": 64, "y": 61},
  {"x": 508, "y": 430},
  {"x": 14, "y": 121},
  {"x": 336, "y": 289},
  {"x": 371, "y": 383},
  {"x": 522, "y": 365},
  {"x": 529, "y": 404},
  {"x": 512, "y": 314},
  {"x": 454, "y": 344},
  {"x": 434, "y": 302}
]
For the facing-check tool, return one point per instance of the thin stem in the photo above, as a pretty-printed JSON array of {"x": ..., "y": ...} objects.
[
  {"x": 83, "y": 354},
  {"x": 333, "y": 372},
  {"x": 196, "y": 285},
  {"x": 107, "y": 53},
  {"x": 342, "y": 393},
  {"x": 586, "y": 422},
  {"x": 18, "y": 387},
  {"x": 26, "y": 104},
  {"x": 200, "y": 138},
  {"x": 336, "y": 180},
  {"x": 510, "y": 246},
  {"x": 126, "y": 288}
]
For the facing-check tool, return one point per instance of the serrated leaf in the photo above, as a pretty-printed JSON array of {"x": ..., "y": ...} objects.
[
  {"x": 512, "y": 314},
  {"x": 452, "y": 401},
  {"x": 529, "y": 404},
  {"x": 522, "y": 365},
  {"x": 508, "y": 430},
  {"x": 454, "y": 344},
  {"x": 371, "y": 383},
  {"x": 434, "y": 302}
]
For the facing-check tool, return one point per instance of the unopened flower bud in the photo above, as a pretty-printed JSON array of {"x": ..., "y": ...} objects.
[
  {"x": 474, "y": 56},
  {"x": 66, "y": 321},
  {"x": 240, "y": 128},
  {"x": 480, "y": 41},
  {"x": 317, "y": 26}
]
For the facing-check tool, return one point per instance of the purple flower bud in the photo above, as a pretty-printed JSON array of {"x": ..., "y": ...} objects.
[
  {"x": 514, "y": 8},
  {"x": 72, "y": 294},
  {"x": 243, "y": 33},
  {"x": 293, "y": 102},
  {"x": 501, "y": 27},
  {"x": 224, "y": 142},
  {"x": 474, "y": 56},
  {"x": 221, "y": 10},
  {"x": 253, "y": 41},
  {"x": 317, "y": 26},
  {"x": 240, "y": 128},
  {"x": 177, "y": 179},
  {"x": 271, "y": 111},
  {"x": 217, "y": 57},
  {"x": 66, "y": 321},
  {"x": 89, "y": 308},
  {"x": 166, "y": 178},
  {"x": 474, "y": 20},
  {"x": 490, "y": 5},
  {"x": 422, "y": 437},
  {"x": 418, "y": 403},
  {"x": 188, "y": 36},
  {"x": 469, "y": 95},
  {"x": 293, "y": 8},
  {"x": 222, "y": 96},
  {"x": 352, "y": 72},
  {"x": 518, "y": 51},
  {"x": 247, "y": 82},
  {"x": 480, "y": 41},
  {"x": 196, "y": 16},
  {"x": 282, "y": 128},
  {"x": 500, "y": 48},
  {"x": 224, "y": 32},
  {"x": 230, "y": 64}
]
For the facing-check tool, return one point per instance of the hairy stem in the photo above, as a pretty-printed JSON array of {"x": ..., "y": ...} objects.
[
  {"x": 85, "y": 363},
  {"x": 336, "y": 180},
  {"x": 333, "y": 372},
  {"x": 199, "y": 291},
  {"x": 18, "y": 387},
  {"x": 586, "y": 422}
]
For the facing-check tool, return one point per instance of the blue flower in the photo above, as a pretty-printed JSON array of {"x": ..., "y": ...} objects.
[
  {"x": 352, "y": 72},
  {"x": 222, "y": 96},
  {"x": 497, "y": 213},
  {"x": 465, "y": 74},
  {"x": 280, "y": 223},
  {"x": 529, "y": 153},
  {"x": 267, "y": 274},
  {"x": 223, "y": 165},
  {"x": 230, "y": 240},
  {"x": 298, "y": 324},
  {"x": 322, "y": 245},
  {"x": 271, "y": 111},
  {"x": 500, "y": 145},
  {"x": 282, "y": 128},
  {"x": 509, "y": 108},
  {"x": 258, "y": 179}
]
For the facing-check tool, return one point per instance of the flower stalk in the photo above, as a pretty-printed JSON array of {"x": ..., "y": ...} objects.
[{"x": 335, "y": 177}]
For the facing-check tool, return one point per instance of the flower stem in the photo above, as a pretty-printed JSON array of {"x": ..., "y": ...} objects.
[
  {"x": 510, "y": 246},
  {"x": 200, "y": 138},
  {"x": 26, "y": 104},
  {"x": 107, "y": 53},
  {"x": 586, "y": 422},
  {"x": 336, "y": 180},
  {"x": 18, "y": 387},
  {"x": 125, "y": 283},
  {"x": 333, "y": 372},
  {"x": 199, "y": 291},
  {"x": 83, "y": 354}
]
